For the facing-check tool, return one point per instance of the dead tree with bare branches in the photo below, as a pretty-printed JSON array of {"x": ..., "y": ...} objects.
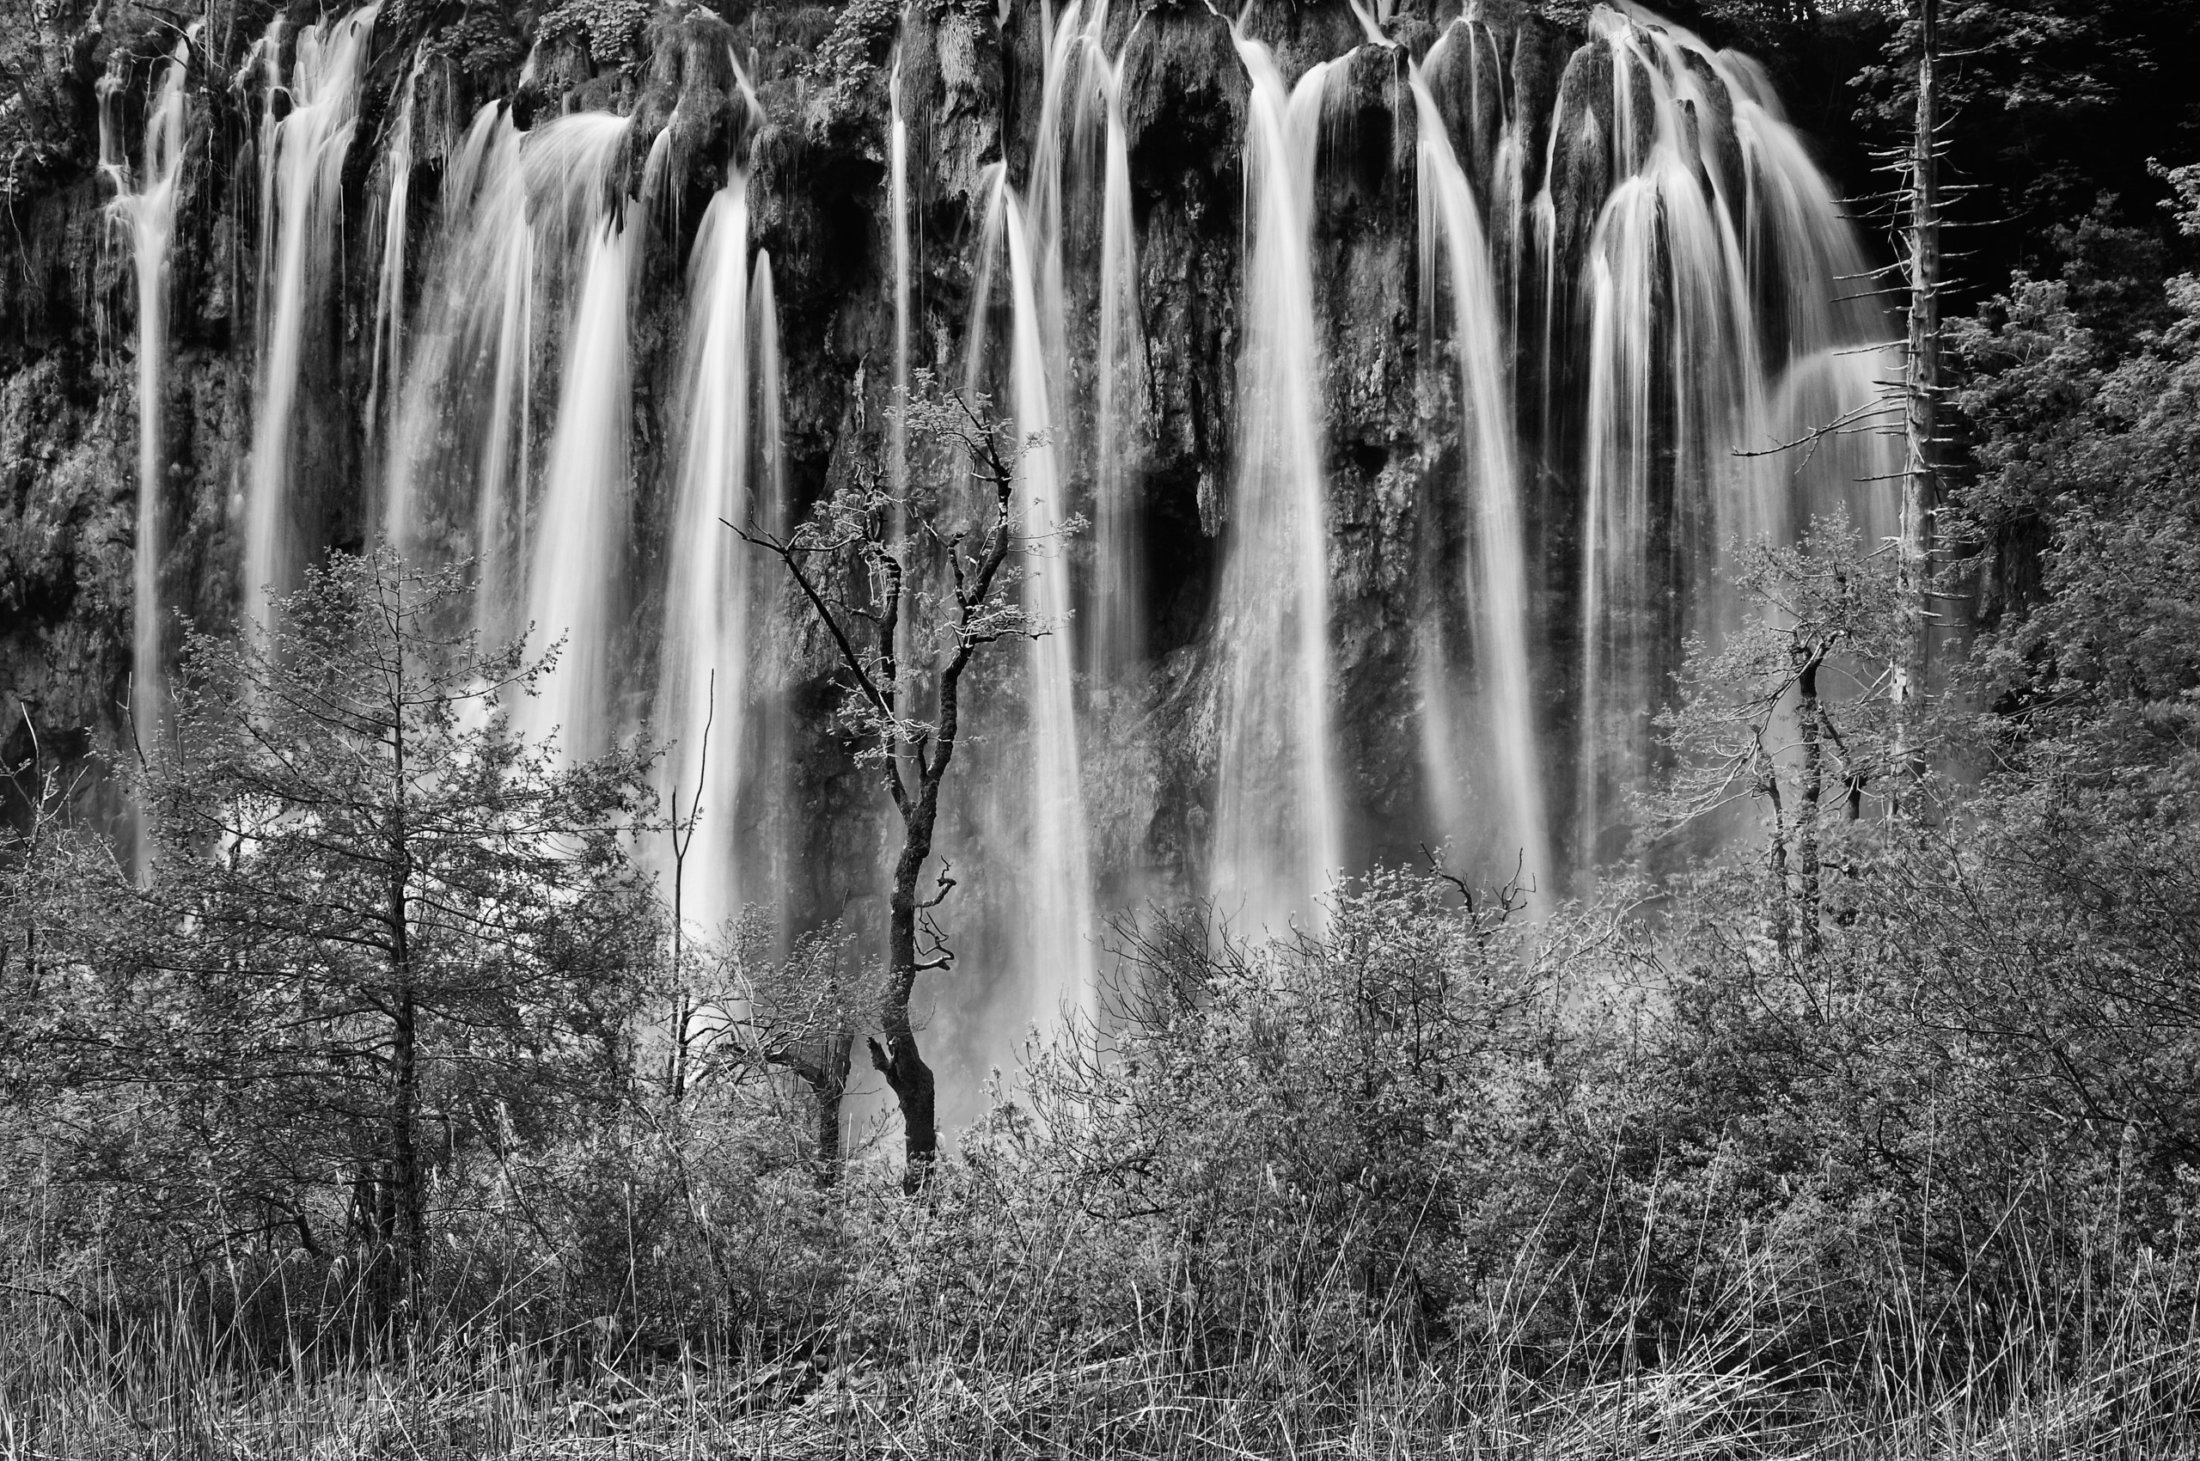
[{"x": 908, "y": 586}]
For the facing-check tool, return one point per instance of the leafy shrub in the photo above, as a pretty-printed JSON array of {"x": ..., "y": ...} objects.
[
  {"x": 1366, "y": 1112},
  {"x": 611, "y": 27}
]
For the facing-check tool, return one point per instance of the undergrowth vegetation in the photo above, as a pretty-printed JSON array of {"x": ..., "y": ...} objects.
[{"x": 1431, "y": 1179}]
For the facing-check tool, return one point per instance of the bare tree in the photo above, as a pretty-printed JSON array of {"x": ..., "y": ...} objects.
[
  {"x": 1921, "y": 394},
  {"x": 908, "y": 586},
  {"x": 1790, "y": 711}
]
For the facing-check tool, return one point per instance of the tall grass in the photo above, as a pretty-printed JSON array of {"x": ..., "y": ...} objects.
[
  {"x": 1274, "y": 1226},
  {"x": 198, "y": 1369}
]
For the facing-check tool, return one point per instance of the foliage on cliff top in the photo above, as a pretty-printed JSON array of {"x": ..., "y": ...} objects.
[
  {"x": 45, "y": 80},
  {"x": 611, "y": 27},
  {"x": 476, "y": 44},
  {"x": 847, "y": 92}
]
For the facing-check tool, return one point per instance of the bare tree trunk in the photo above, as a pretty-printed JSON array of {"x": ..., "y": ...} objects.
[
  {"x": 406, "y": 1228},
  {"x": 829, "y": 1098},
  {"x": 401, "y": 1228},
  {"x": 897, "y": 1058},
  {"x": 403, "y": 1117},
  {"x": 1770, "y": 784},
  {"x": 1808, "y": 716},
  {"x": 829, "y": 1086},
  {"x": 877, "y": 690},
  {"x": 827, "y": 1078},
  {"x": 676, "y": 1063},
  {"x": 1921, "y": 391}
]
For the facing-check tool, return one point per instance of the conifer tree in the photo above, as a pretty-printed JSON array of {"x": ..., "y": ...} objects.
[{"x": 373, "y": 915}]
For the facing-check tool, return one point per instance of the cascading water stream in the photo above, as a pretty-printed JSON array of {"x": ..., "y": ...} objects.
[
  {"x": 1832, "y": 354},
  {"x": 1278, "y": 827},
  {"x": 499, "y": 511},
  {"x": 1497, "y": 148},
  {"x": 389, "y": 298},
  {"x": 771, "y": 697},
  {"x": 532, "y": 250},
  {"x": 1499, "y": 594},
  {"x": 150, "y": 211},
  {"x": 302, "y": 203},
  {"x": 778, "y": 507},
  {"x": 265, "y": 54},
  {"x": 1061, "y": 922},
  {"x": 703, "y": 689},
  {"x": 1691, "y": 279},
  {"x": 1063, "y": 39},
  {"x": 472, "y": 322},
  {"x": 1118, "y": 594},
  {"x": 706, "y": 698},
  {"x": 897, "y": 202},
  {"x": 579, "y": 523}
]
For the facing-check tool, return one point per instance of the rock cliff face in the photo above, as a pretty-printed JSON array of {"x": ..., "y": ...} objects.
[
  {"x": 68, "y": 415},
  {"x": 1527, "y": 103}
]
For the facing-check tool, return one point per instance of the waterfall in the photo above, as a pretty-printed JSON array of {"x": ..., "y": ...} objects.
[
  {"x": 1118, "y": 594},
  {"x": 468, "y": 280},
  {"x": 1601, "y": 352},
  {"x": 770, "y": 698},
  {"x": 524, "y": 249},
  {"x": 1499, "y": 599},
  {"x": 389, "y": 297},
  {"x": 1278, "y": 834},
  {"x": 579, "y": 525},
  {"x": 1062, "y": 40},
  {"x": 1061, "y": 923},
  {"x": 706, "y": 700},
  {"x": 532, "y": 250},
  {"x": 471, "y": 324},
  {"x": 150, "y": 211},
  {"x": 302, "y": 171},
  {"x": 503, "y": 451},
  {"x": 1508, "y": 204},
  {"x": 1616, "y": 521},
  {"x": 1831, "y": 350},
  {"x": 897, "y": 203},
  {"x": 267, "y": 53},
  {"x": 771, "y": 440},
  {"x": 1711, "y": 329},
  {"x": 703, "y": 690}
]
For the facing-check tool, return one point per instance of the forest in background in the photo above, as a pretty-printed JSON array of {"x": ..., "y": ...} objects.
[{"x": 1873, "y": 1133}]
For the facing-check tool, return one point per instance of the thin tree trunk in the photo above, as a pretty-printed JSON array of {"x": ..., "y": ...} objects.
[
  {"x": 404, "y": 1114},
  {"x": 676, "y": 1073},
  {"x": 830, "y": 1090},
  {"x": 1807, "y": 714},
  {"x": 829, "y": 1098},
  {"x": 1780, "y": 921},
  {"x": 406, "y": 1228},
  {"x": 897, "y": 1058},
  {"x": 676, "y": 1060},
  {"x": 827, "y": 1079},
  {"x": 1921, "y": 390},
  {"x": 403, "y": 1232}
]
